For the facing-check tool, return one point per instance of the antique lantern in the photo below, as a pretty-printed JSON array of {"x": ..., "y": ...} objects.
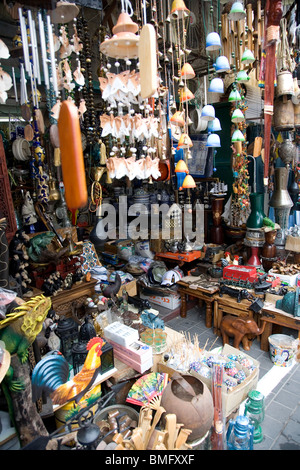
[{"x": 67, "y": 331}]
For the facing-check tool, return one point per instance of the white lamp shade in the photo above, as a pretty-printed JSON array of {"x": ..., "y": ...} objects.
[
  {"x": 213, "y": 140},
  {"x": 213, "y": 42},
  {"x": 214, "y": 126},
  {"x": 208, "y": 113},
  {"x": 216, "y": 86}
]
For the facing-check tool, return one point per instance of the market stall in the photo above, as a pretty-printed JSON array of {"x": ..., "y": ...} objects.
[{"x": 149, "y": 163}]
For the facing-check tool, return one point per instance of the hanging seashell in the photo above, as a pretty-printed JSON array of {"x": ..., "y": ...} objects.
[
  {"x": 3, "y": 97},
  {"x": 4, "y": 51},
  {"x": 56, "y": 109},
  {"x": 56, "y": 42},
  {"x": 78, "y": 76},
  {"x": 5, "y": 80},
  {"x": 82, "y": 108}
]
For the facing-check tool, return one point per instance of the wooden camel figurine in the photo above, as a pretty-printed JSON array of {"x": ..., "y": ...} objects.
[{"x": 241, "y": 329}]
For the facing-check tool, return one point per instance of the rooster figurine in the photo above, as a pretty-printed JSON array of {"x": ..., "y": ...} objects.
[{"x": 51, "y": 373}]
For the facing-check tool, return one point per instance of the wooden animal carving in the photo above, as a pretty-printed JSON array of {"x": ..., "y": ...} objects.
[{"x": 241, "y": 329}]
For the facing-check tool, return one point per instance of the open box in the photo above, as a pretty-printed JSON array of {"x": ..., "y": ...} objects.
[{"x": 231, "y": 397}]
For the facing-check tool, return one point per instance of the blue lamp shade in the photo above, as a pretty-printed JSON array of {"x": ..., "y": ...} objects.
[
  {"x": 242, "y": 76},
  {"x": 222, "y": 64},
  {"x": 234, "y": 96},
  {"x": 213, "y": 140},
  {"x": 208, "y": 113},
  {"x": 247, "y": 57},
  {"x": 237, "y": 136},
  {"x": 237, "y": 12},
  {"x": 214, "y": 126},
  {"x": 213, "y": 42},
  {"x": 216, "y": 86},
  {"x": 237, "y": 116}
]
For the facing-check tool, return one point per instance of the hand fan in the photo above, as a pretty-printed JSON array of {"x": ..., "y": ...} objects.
[{"x": 146, "y": 388}]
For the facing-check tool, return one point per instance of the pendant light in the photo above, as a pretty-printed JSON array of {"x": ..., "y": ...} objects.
[
  {"x": 237, "y": 116},
  {"x": 242, "y": 76},
  {"x": 187, "y": 71},
  {"x": 181, "y": 167},
  {"x": 208, "y": 113},
  {"x": 247, "y": 57},
  {"x": 237, "y": 136},
  {"x": 213, "y": 140},
  {"x": 188, "y": 182},
  {"x": 222, "y": 64},
  {"x": 184, "y": 141},
  {"x": 234, "y": 95},
  {"x": 213, "y": 42},
  {"x": 216, "y": 86},
  {"x": 237, "y": 12},
  {"x": 214, "y": 126}
]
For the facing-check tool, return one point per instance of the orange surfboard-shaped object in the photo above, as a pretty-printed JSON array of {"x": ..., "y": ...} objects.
[{"x": 72, "y": 162}]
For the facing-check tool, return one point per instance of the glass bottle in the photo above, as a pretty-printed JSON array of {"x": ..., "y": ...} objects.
[
  {"x": 240, "y": 434},
  {"x": 255, "y": 411}
]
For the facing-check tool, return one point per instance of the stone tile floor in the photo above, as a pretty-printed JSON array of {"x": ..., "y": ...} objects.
[{"x": 281, "y": 425}]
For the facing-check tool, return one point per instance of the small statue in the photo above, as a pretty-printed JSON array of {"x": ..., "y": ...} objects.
[{"x": 28, "y": 212}]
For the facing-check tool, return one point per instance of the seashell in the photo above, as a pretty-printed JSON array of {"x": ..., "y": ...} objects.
[{"x": 4, "y": 51}]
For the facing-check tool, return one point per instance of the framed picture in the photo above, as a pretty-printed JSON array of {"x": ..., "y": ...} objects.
[{"x": 200, "y": 155}]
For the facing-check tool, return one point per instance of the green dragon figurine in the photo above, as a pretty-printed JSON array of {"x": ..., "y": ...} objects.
[
  {"x": 38, "y": 244},
  {"x": 19, "y": 330}
]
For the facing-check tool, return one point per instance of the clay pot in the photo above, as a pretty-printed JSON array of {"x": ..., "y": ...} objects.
[{"x": 191, "y": 401}]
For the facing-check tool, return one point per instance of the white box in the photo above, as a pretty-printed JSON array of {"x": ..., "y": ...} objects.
[
  {"x": 121, "y": 334},
  {"x": 290, "y": 280},
  {"x": 169, "y": 301}
]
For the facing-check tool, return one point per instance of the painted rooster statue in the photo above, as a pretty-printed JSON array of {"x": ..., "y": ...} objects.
[{"x": 51, "y": 373}]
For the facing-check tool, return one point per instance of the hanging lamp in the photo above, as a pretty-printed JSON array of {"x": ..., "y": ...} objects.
[
  {"x": 181, "y": 167},
  {"x": 237, "y": 136},
  {"x": 234, "y": 95},
  {"x": 188, "y": 182},
  {"x": 214, "y": 126},
  {"x": 237, "y": 116},
  {"x": 213, "y": 140},
  {"x": 208, "y": 113},
  {"x": 187, "y": 71},
  {"x": 216, "y": 86},
  {"x": 213, "y": 42},
  {"x": 237, "y": 12},
  {"x": 179, "y": 9},
  {"x": 185, "y": 95},
  {"x": 222, "y": 64},
  {"x": 185, "y": 142},
  {"x": 242, "y": 76},
  {"x": 247, "y": 57},
  {"x": 178, "y": 119}
]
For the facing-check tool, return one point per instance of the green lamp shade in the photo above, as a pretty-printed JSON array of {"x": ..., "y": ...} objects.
[
  {"x": 237, "y": 116},
  {"x": 242, "y": 76},
  {"x": 237, "y": 136},
  {"x": 234, "y": 96},
  {"x": 248, "y": 57},
  {"x": 237, "y": 12}
]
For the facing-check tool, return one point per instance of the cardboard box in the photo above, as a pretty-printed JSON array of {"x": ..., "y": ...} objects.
[
  {"x": 169, "y": 301},
  {"x": 231, "y": 398},
  {"x": 121, "y": 334},
  {"x": 131, "y": 363},
  {"x": 137, "y": 351},
  {"x": 131, "y": 288}
]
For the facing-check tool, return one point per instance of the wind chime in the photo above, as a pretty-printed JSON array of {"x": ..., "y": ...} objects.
[{"x": 179, "y": 20}]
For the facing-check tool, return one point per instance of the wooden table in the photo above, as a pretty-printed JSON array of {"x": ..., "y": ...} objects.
[
  {"x": 62, "y": 302},
  {"x": 207, "y": 295},
  {"x": 274, "y": 316},
  {"x": 228, "y": 304}
]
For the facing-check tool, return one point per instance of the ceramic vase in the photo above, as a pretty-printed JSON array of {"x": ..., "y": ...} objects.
[
  {"x": 256, "y": 217},
  {"x": 217, "y": 233}
]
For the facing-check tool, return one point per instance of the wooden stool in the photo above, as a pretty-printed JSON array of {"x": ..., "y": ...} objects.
[
  {"x": 274, "y": 316},
  {"x": 227, "y": 304}
]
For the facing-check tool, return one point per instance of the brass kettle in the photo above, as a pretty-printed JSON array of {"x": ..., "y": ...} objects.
[{"x": 54, "y": 193}]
